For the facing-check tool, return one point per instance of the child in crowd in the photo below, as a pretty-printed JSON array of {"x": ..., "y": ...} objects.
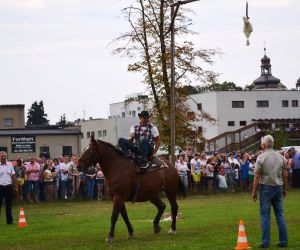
[
  {"x": 222, "y": 180},
  {"x": 99, "y": 182}
]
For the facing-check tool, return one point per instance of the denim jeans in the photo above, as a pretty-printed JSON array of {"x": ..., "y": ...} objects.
[
  {"x": 144, "y": 148},
  {"x": 33, "y": 187},
  {"x": 272, "y": 195},
  {"x": 90, "y": 188}
]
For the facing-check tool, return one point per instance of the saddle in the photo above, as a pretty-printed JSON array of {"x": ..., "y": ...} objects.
[{"x": 153, "y": 166}]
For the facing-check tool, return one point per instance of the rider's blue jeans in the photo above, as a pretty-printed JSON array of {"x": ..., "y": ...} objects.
[
  {"x": 144, "y": 148},
  {"x": 272, "y": 195}
]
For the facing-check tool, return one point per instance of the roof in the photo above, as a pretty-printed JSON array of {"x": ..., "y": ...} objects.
[
  {"x": 12, "y": 132},
  {"x": 267, "y": 81},
  {"x": 12, "y": 106}
]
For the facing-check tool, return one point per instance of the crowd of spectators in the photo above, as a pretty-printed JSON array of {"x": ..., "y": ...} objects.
[
  {"x": 41, "y": 179},
  {"x": 226, "y": 172}
]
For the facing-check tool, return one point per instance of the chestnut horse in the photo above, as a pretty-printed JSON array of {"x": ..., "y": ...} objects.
[{"x": 121, "y": 176}]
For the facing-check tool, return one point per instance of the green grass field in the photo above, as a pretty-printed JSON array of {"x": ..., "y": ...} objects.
[{"x": 209, "y": 222}]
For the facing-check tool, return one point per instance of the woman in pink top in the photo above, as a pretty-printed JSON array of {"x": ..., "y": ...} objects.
[
  {"x": 99, "y": 182},
  {"x": 32, "y": 173}
]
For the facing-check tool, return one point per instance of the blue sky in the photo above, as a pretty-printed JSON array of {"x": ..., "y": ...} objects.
[{"x": 56, "y": 50}]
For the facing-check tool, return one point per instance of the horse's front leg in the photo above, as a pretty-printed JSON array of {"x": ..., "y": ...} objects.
[
  {"x": 127, "y": 222},
  {"x": 117, "y": 205}
]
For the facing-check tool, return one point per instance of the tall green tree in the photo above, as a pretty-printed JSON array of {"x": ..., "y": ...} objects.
[
  {"x": 225, "y": 86},
  {"x": 148, "y": 43},
  {"x": 36, "y": 115}
]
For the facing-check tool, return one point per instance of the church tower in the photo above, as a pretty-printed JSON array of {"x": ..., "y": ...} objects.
[{"x": 266, "y": 81}]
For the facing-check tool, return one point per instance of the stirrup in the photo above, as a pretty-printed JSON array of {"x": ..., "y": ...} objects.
[{"x": 145, "y": 166}]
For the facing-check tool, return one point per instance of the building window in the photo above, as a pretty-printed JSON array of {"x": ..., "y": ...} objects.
[
  {"x": 88, "y": 135},
  {"x": 243, "y": 123},
  {"x": 123, "y": 114},
  {"x": 67, "y": 150},
  {"x": 285, "y": 103},
  {"x": 93, "y": 134},
  {"x": 104, "y": 133},
  {"x": 99, "y": 133},
  {"x": 237, "y": 104},
  {"x": 262, "y": 104},
  {"x": 8, "y": 122},
  {"x": 45, "y": 152},
  {"x": 199, "y": 106},
  {"x": 139, "y": 108},
  {"x": 3, "y": 149},
  {"x": 294, "y": 103},
  {"x": 133, "y": 114},
  {"x": 230, "y": 123}
]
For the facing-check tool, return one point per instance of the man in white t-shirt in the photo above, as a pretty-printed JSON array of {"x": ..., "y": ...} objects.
[
  {"x": 143, "y": 138},
  {"x": 7, "y": 181},
  {"x": 64, "y": 170}
]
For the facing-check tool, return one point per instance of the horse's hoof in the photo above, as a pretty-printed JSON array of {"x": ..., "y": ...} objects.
[
  {"x": 171, "y": 231},
  {"x": 157, "y": 229},
  {"x": 109, "y": 239},
  {"x": 130, "y": 236}
]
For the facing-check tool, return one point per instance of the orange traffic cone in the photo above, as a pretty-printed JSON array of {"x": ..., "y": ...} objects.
[
  {"x": 242, "y": 242},
  {"x": 22, "y": 220}
]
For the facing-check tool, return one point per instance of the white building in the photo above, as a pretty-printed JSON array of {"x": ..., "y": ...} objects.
[
  {"x": 131, "y": 107},
  {"x": 109, "y": 130},
  {"x": 236, "y": 109}
]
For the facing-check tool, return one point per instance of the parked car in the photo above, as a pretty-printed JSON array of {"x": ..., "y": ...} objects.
[{"x": 287, "y": 148}]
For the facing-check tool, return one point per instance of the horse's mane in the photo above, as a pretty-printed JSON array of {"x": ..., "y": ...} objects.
[{"x": 115, "y": 148}]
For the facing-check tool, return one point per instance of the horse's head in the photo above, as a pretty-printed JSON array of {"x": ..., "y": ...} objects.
[{"x": 89, "y": 156}]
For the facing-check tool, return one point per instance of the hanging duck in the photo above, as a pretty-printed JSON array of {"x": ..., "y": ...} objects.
[{"x": 247, "y": 26}]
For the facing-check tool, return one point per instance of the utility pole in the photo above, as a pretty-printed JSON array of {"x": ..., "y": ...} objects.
[{"x": 172, "y": 92}]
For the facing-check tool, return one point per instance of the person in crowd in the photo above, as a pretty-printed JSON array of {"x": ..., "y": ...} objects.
[
  {"x": 48, "y": 181},
  {"x": 75, "y": 174},
  {"x": 56, "y": 179},
  {"x": 196, "y": 170},
  {"x": 190, "y": 177},
  {"x": 33, "y": 174},
  {"x": 64, "y": 171},
  {"x": 99, "y": 182},
  {"x": 296, "y": 168},
  {"x": 183, "y": 170},
  {"x": 251, "y": 171},
  {"x": 229, "y": 172},
  {"x": 222, "y": 179},
  {"x": 271, "y": 179},
  {"x": 233, "y": 160},
  {"x": 236, "y": 176},
  {"x": 91, "y": 176},
  {"x": 289, "y": 159},
  {"x": 216, "y": 162},
  {"x": 209, "y": 175},
  {"x": 143, "y": 138},
  {"x": 41, "y": 188},
  {"x": 244, "y": 168},
  {"x": 8, "y": 185},
  {"x": 20, "y": 175},
  {"x": 203, "y": 180}
]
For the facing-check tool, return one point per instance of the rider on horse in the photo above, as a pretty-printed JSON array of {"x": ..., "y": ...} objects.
[{"x": 143, "y": 138}]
